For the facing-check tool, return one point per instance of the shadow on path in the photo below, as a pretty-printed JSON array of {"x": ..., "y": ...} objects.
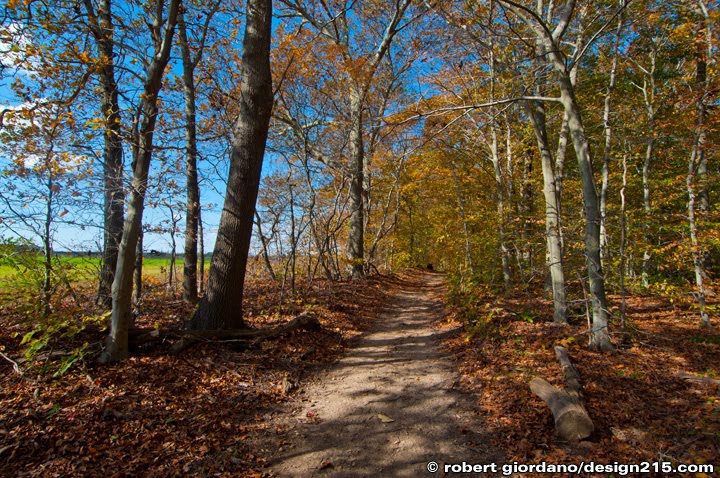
[{"x": 398, "y": 371}]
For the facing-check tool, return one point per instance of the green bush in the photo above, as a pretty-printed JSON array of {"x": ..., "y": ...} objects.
[{"x": 50, "y": 315}]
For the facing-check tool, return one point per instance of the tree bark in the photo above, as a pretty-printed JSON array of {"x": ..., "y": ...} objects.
[
  {"x": 101, "y": 27},
  {"x": 552, "y": 220},
  {"x": 356, "y": 240},
  {"x": 572, "y": 421},
  {"x": 623, "y": 241},
  {"x": 190, "y": 288},
  {"x": 138, "y": 272},
  {"x": 117, "y": 343},
  {"x": 604, "y": 241},
  {"x": 221, "y": 307}
]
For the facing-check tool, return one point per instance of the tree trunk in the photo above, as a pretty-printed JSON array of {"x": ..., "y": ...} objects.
[
  {"x": 190, "y": 288},
  {"x": 293, "y": 239},
  {"x": 201, "y": 245},
  {"x": 552, "y": 221},
  {"x": 172, "y": 273},
  {"x": 697, "y": 168},
  {"x": 604, "y": 242},
  {"x": 47, "y": 246},
  {"x": 264, "y": 241},
  {"x": 600, "y": 339},
  {"x": 648, "y": 91},
  {"x": 101, "y": 26},
  {"x": 697, "y": 255},
  {"x": 138, "y": 274},
  {"x": 356, "y": 246},
  {"x": 524, "y": 254},
  {"x": 623, "y": 240},
  {"x": 117, "y": 343},
  {"x": 221, "y": 307},
  {"x": 703, "y": 56},
  {"x": 495, "y": 158},
  {"x": 647, "y": 206}
]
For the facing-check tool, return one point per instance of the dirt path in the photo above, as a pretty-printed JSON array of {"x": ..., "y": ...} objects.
[{"x": 340, "y": 426}]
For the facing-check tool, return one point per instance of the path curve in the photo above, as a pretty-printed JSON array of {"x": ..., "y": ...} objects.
[{"x": 395, "y": 372}]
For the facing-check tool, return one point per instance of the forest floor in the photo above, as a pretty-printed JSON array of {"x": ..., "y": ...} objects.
[
  {"x": 391, "y": 405},
  {"x": 393, "y": 380}
]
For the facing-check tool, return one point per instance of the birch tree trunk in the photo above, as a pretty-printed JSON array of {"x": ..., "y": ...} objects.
[
  {"x": 550, "y": 38},
  {"x": 552, "y": 221},
  {"x": 356, "y": 239},
  {"x": 221, "y": 307},
  {"x": 604, "y": 241}
]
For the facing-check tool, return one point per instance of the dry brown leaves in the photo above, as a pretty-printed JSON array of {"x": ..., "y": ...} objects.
[
  {"x": 641, "y": 409},
  {"x": 158, "y": 414}
]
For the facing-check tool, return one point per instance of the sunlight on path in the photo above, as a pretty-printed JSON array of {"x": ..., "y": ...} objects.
[{"x": 390, "y": 406}]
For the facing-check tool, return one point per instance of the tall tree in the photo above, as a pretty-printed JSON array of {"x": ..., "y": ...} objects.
[
  {"x": 609, "y": 91},
  {"x": 334, "y": 23},
  {"x": 536, "y": 111},
  {"x": 101, "y": 24},
  {"x": 190, "y": 61},
  {"x": 697, "y": 167},
  {"x": 551, "y": 40},
  {"x": 162, "y": 30},
  {"x": 221, "y": 307}
]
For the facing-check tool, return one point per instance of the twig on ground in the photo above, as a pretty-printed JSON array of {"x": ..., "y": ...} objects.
[{"x": 16, "y": 366}]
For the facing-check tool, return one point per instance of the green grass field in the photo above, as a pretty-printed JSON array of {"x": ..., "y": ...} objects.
[{"x": 86, "y": 268}]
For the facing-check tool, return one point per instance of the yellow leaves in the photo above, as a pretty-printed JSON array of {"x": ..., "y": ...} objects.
[
  {"x": 683, "y": 32},
  {"x": 94, "y": 123},
  {"x": 84, "y": 57}
]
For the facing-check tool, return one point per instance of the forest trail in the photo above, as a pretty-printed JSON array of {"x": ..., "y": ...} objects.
[{"x": 340, "y": 424}]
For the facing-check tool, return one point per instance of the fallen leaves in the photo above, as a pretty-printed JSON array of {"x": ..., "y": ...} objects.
[
  {"x": 636, "y": 396},
  {"x": 384, "y": 418},
  {"x": 197, "y": 413}
]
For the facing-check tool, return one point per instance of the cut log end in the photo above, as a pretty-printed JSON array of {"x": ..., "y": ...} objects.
[{"x": 572, "y": 421}]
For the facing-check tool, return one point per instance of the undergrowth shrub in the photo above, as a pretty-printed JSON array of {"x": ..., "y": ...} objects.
[
  {"x": 48, "y": 316},
  {"x": 469, "y": 300}
]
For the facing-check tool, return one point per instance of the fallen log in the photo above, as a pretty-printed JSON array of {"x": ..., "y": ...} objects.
[
  {"x": 572, "y": 421},
  {"x": 695, "y": 378}
]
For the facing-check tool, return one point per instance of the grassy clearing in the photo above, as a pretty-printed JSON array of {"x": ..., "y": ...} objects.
[{"x": 87, "y": 268}]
